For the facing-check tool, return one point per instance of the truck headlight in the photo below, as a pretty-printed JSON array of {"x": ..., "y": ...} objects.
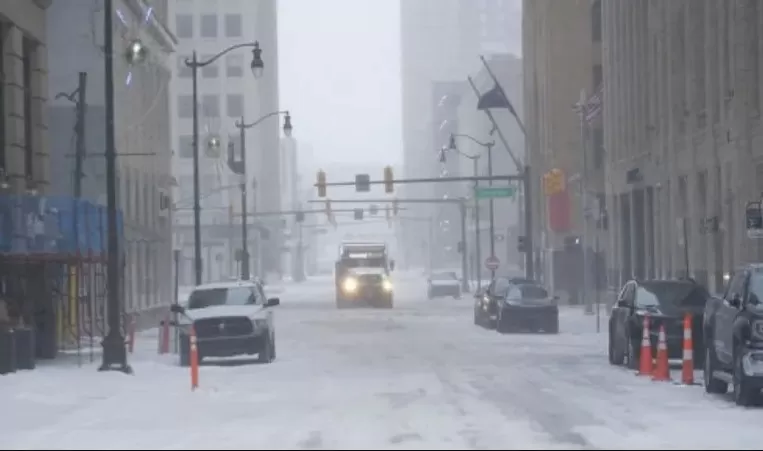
[
  {"x": 387, "y": 286},
  {"x": 350, "y": 285}
]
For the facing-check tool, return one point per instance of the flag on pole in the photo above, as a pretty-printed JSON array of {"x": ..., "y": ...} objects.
[
  {"x": 495, "y": 98},
  {"x": 592, "y": 107}
]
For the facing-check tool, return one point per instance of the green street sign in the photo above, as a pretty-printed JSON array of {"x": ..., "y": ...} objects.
[{"x": 491, "y": 192}]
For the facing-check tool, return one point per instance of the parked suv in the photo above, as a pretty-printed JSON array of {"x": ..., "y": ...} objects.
[{"x": 734, "y": 337}]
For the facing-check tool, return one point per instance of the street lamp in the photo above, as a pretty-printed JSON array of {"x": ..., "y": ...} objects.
[
  {"x": 239, "y": 167},
  {"x": 475, "y": 159},
  {"x": 194, "y": 64}
]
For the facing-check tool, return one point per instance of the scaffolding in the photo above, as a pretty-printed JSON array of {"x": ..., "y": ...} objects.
[{"x": 53, "y": 271}]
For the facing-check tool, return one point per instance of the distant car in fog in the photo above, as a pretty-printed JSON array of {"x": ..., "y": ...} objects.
[{"x": 443, "y": 284}]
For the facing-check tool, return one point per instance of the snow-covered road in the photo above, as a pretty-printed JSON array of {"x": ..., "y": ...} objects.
[{"x": 420, "y": 376}]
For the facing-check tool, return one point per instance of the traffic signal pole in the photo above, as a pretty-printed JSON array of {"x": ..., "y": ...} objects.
[{"x": 525, "y": 178}]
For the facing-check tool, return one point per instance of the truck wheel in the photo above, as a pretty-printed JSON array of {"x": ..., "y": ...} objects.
[
  {"x": 388, "y": 302},
  {"x": 266, "y": 353},
  {"x": 744, "y": 395},
  {"x": 712, "y": 385}
]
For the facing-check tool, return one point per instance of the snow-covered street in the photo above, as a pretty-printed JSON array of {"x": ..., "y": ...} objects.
[{"x": 420, "y": 376}]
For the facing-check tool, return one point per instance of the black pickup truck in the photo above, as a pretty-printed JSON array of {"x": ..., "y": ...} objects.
[{"x": 733, "y": 328}]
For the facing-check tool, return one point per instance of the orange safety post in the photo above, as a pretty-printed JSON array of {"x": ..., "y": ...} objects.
[
  {"x": 194, "y": 354},
  {"x": 662, "y": 367},
  {"x": 645, "y": 362},
  {"x": 687, "y": 370}
]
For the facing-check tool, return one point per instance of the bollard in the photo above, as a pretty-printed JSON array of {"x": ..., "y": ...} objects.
[
  {"x": 164, "y": 336},
  {"x": 194, "y": 354}
]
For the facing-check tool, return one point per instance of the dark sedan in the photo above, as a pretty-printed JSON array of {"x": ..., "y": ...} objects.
[
  {"x": 666, "y": 303},
  {"x": 527, "y": 308}
]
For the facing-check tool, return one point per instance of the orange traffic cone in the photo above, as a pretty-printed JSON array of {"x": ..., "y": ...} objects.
[
  {"x": 645, "y": 362},
  {"x": 687, "y": 371},
  {"x": 662, "y": 367},
  {"x": 194, "y": 354}
]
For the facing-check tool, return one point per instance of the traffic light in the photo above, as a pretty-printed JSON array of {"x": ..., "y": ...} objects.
[
  {"x": 300, "y": 216},
  {"x": 395, "y": 207},
  {"x": 522, "y": 243},
  {"x": 359, "y": 214},
  {"x": 389, "y": 185},
  {"x": 373, "y": 210},
  {"x": 321, "y": 183}
]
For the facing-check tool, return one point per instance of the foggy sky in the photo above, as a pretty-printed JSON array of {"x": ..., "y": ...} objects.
[{"x": 339, "y": 69}]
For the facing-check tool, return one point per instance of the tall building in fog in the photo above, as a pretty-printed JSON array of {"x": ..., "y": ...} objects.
[
  {"x": 143, "y": 131},
  {"x": 227, "y": 91},
  {"x": 441, "y": 41}
]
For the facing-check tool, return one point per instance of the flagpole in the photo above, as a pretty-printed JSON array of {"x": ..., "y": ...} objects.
[{"x": 500, "y": 87}]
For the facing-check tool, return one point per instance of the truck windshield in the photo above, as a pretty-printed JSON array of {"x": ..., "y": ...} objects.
[{"x": 210, "y": 297}]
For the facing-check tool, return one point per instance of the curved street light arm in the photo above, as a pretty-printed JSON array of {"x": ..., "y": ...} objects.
[
  {"x": 466, "y": 155},
  {"x": 255, "y": 123},
  {"x": 475, "y": 140},
  {"x": 189, "y": 62}
]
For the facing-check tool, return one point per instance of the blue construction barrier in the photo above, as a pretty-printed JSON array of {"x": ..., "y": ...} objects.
[{"x": 53, "y": 225}]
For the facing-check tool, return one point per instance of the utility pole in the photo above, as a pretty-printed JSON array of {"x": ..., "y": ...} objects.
[
  {"x": 114, "y": 352},
  {"x": 81, "y": 107},
  {"x": 491, "y": 205}
]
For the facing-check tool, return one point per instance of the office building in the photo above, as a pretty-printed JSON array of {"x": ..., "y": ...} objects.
[{"x": 227, "y": 91}]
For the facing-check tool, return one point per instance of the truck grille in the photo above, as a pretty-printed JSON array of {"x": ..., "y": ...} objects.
[
  {"x": 371, "y": 279},
  {"x": 230, "y": 326}
]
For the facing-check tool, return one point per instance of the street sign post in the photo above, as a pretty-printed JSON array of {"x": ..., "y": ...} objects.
[
  {"x": 492, "y": 192},
  {"x": 492, "y": 263}
]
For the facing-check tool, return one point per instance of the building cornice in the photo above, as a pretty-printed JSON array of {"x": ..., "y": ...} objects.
[{"x": 157, "y": 29}]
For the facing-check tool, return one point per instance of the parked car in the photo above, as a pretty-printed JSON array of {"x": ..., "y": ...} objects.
[
  {"x": 666, "y": 303},
  {"x": 486, "y": 301},
  {"x": 733, "y": 327},
  {"x": 442, "y": 284},
  {"x": 527, "y": 307},
  {"x": 229, "y": 319}
]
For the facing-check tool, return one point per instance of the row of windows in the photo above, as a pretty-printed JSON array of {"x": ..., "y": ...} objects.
[
  {"x": 210, "y": 105},
  {"x": 234, "y": 67},
  {"x": 186, "y": 25}
]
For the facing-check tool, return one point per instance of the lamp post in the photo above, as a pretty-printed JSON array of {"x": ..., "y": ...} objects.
[
  {"x": 239, "y": 167},
  {"x": 475, "y": 158},
  {"x": 114, "y": 352},
  {"x": 194, "y": 64}
]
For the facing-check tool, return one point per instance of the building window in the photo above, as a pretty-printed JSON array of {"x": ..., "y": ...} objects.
[
  {"x": 598, "y": 76},
  {"x": 184, "y": 26},
  {"x": 233, "y": 25},
  {"x": 210, "y": 70},
  {"x": 596, "y": 21},
  {"x": 209, "y": 26},
  {"x": 234, "y": 66},
  {"x": 27, "y": 54},
  {"x": 210, "y": 105},
  {"x": 183, "y": 70},
  {"x": 185, "y": 146},
  {"x": 185, "y": 106},
  {"x": 235, "y": 105}
]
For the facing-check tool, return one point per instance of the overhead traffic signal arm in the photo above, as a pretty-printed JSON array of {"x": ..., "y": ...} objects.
[{"x": 481, "y": 178}]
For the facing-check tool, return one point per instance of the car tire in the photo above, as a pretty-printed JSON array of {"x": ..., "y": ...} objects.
[
  {"x": 712, "y": 385},
  {"x": 744, "y": 394},
  {"x": 184, "y": 351},
  {"x": 616, "y": 356},
  {"x": 553, "y": 326},
  {"x": 266, "y": 354},
  {"x": 633, "y": 354},
  {"x": 500, "y": 326}
]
